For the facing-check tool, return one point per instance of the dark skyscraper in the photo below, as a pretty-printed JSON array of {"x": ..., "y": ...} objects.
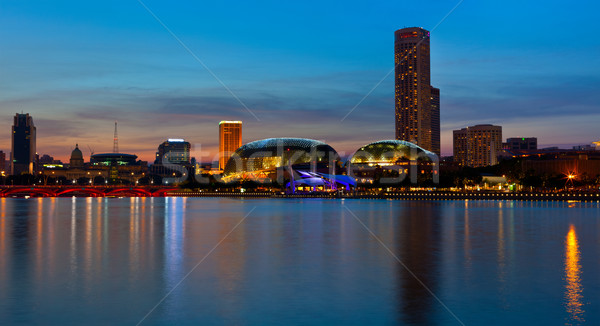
[
  {"x": 435, "y": 121},
  {"x": 417, "y": 102},
  {"x": 22, "y": 156},
  {"x": 173, "y": 151}
]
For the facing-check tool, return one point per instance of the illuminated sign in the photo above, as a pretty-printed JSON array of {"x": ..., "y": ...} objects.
[{"x": 175, "y": 140}]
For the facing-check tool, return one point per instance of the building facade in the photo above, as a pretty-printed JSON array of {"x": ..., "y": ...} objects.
[
  {"x": 3, "y": 163},
  {"x": 230, "y": 139},
  {"x": 477, "y": 145},
  {"x": 23, "y": 153},
  {"x": 108, "y": 168},
  {"x": 435, "y": 121},
  {"x": 416, "y": 101},
  {"x": 173, "y": 151},
  {"x": 521, "y": 144}
]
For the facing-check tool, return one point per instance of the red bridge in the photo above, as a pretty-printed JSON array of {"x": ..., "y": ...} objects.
[{"x": 92, "y": 191}]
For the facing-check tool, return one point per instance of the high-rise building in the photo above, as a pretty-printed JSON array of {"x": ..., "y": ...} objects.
[
  {"x": 417, "y": 102},
  {"x": 22, "y": 156},
  {"x": 435, "y": 121},
  {"x": 520, "y": 143},
  {"x": 3, "y": 162},
  {"x": 230, "y": 139},
  {"x": 477, "y": 145},
  {"x": 173, "y": 151}
]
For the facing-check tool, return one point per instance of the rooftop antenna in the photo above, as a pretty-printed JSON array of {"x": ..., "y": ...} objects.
[
  {"x": 91, "y": 150},
  {"x": 116, "y": 140}
]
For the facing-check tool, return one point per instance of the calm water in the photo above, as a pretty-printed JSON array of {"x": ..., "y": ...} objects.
[{"x": 218, "y": 261}]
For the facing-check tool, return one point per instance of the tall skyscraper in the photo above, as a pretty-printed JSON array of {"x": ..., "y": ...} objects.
[
  {"x": 230, "y": 139},
  {"x": 22, "y": 156},
  {"x": 477, "y": 145},
  {"x": 417, "y": 102}
]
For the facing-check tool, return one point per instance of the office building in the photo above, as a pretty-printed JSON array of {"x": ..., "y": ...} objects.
[
  {"x": 23, "y": 154},
  {"x": 230, "y": 139},
  {"x": 435, "y": 121},
  {"x": 416, "y": 101},
  {"x": 3, "y": 162},
  {"x": 477, "y": 145},
  {"x": 520, "y": 144},
  {"x": 173, "y": 151}
]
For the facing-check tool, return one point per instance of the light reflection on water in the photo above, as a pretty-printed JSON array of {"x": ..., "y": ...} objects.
[
  {"x": 573, "y": 287},
  {"x": 107, "y": 261}
]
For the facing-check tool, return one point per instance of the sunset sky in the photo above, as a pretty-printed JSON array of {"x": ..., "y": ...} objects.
[{"x": 298, "y": 67}]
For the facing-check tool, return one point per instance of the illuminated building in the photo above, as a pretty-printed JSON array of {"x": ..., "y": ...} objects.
[
  {"x": 173, "y": 151},
  {"x": 230, "y": 139},
  {"x": 477, "y": 145},
  {"x": 393, "y": 158},
  {"x": 22, "y": 156},
  {"x": 417, "y": 102},
  {"x": 520, "y": 143},
  {"x": 305, "y": 164},
  {"x": 172, "y": 159}
]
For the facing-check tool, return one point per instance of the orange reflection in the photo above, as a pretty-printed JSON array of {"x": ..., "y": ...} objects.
[{"x": 573, "y": 287}]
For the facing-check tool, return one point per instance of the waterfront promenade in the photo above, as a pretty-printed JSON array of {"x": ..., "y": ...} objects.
[{"x": 161, "y": 191}]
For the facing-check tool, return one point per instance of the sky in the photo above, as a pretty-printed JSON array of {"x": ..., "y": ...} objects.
[{"x": 313, "y": 69}]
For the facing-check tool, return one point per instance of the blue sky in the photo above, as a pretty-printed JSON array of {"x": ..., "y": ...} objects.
[{"x": 300, "y": 67}]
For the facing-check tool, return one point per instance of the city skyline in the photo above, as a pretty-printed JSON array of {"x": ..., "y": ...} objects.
[{"x": 77, "y": 68}]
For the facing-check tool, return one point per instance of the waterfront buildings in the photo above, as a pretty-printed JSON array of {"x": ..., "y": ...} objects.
[
  {"x": 417, "y": 103},
  {"x": 102, "y": 169},
  {"x": 296, "y": 163},
  {"x": 230, "y": 139},
  {"x": 393, "y": 162},
  {"x": 477, "y": 145},
  {"x": 23, "y": 153}
]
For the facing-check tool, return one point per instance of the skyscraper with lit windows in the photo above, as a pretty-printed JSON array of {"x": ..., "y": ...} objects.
[
  {"x": 230, "y": 139},
  {"x": 417, "y": 102},
  {"x": 477, "y": 145},
  {"x": 173, "y": 151}
]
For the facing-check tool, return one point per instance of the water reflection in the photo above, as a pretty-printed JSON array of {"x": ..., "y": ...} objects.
[
  {"x": 69, "y": 261},
  {"x": 573, "y": 287},
  {"x": 419, "y": 238}
]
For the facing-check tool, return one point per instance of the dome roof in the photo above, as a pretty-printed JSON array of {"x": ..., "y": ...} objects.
[
  {"x": 275, "y": 152},
  {"x": 390, "y": 151},
  {"x": 76, "y": 154}
]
